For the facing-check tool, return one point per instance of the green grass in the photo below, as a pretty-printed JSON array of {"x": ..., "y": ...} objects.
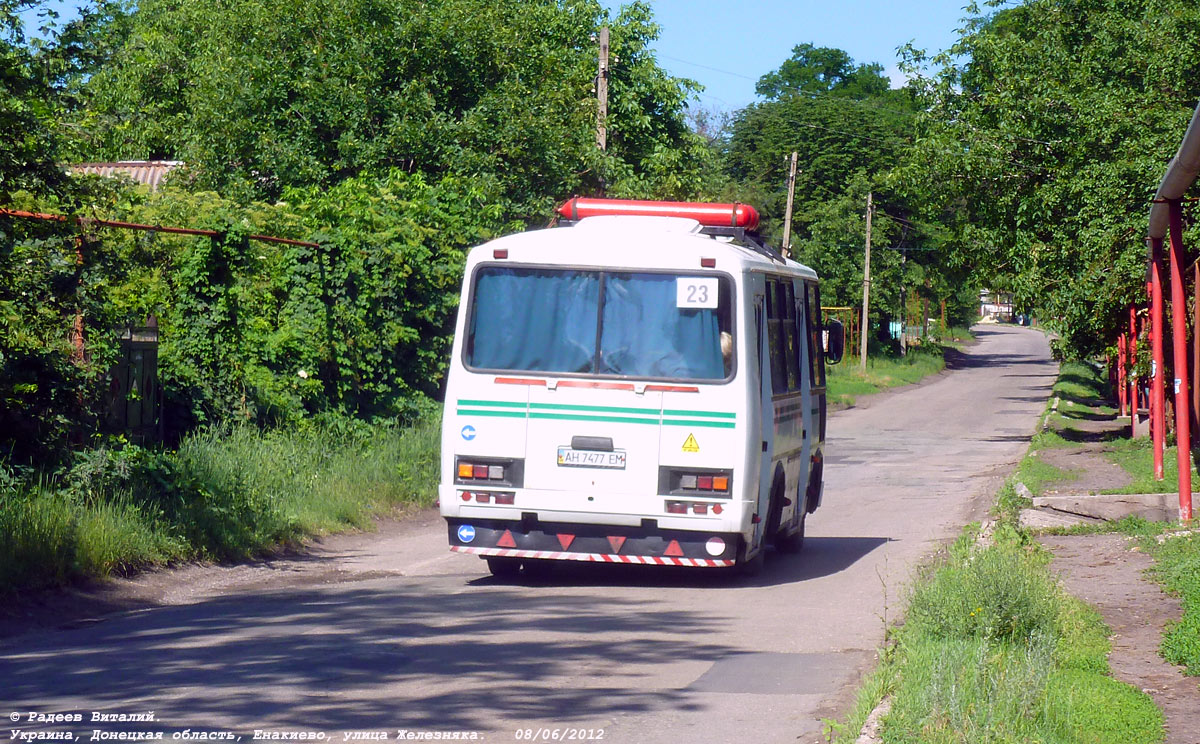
[
  {"x": 1177, "y": 566},
  {"x": 1136, "y": 457},
  {"x": 220, "y": 496},
  {"x": 1035, "y": 474},
  {"x": 846, "y": 381},
  {"x": 956, "y": 336},
  {"x": 994, "y": 651},
  {"x": 1177, "y": 560}
]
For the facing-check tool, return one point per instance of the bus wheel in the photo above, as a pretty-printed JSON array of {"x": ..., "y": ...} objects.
[
  {"x": 793, "y": 542},
  {"x": 505, "y": 568}
]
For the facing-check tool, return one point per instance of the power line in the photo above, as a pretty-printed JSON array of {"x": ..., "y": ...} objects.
[
  {"x": 830, "y": 95},
  {"x": 903, "y": 141}
]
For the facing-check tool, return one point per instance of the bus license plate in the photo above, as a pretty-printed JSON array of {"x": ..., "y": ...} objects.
[{"x": 573, "y": 458}]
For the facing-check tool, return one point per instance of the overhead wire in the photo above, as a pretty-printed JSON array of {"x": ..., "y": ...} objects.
[{"x": 853, "y": 101}]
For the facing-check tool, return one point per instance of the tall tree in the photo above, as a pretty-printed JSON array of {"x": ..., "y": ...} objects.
[
  {"x": 813, "y": 70},
  {"x": 260, "y": 96},
  {"x": 28, "y": 144},
  {"x": 1046, "y": 129},
  {"x": 850, "y": 129}
]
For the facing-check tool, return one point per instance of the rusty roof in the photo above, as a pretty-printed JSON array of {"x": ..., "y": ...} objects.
[{"x": 148, "y": 172}]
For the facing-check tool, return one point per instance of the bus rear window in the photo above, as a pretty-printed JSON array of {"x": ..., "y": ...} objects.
[{"x": 617, "y": 324}]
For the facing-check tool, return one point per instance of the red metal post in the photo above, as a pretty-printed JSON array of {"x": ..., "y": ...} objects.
[
  {"x": 1133, "y": 375},
  {"x": 1179, "y": 314},
  {"x": 1158, "y": 396},
  {"x": 1122, "y": 387}
]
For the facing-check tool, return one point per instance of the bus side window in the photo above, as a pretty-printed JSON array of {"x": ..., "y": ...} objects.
[
  {"x": 776, "y": 340},
  {"x": 816, "y": 358},
  {"x": 758, "y": 334},
  {"x": 794, "y": 335}
]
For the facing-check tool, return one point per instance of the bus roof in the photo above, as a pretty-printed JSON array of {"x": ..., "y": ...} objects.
[{"x": 635, "y": 242}]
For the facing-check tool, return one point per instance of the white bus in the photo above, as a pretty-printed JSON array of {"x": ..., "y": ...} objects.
[{"x": 643, "y": 383}]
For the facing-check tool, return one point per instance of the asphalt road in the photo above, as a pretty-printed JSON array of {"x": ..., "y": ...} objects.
[{"x": 390, "y": 632}]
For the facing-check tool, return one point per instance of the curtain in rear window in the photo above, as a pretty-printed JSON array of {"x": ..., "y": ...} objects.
[
  {"x": 530, "y": 319},
  {"x": 646, "y": 335}
]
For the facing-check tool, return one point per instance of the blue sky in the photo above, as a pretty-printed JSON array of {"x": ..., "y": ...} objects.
[{"x": 727, "y": 46}]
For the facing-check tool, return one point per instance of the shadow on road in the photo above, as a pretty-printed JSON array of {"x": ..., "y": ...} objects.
[
  {"x": 276, "y": 658},
  {"x": 822, "y": 556},
  {"x": 324, "y": 659},
  {"x": 956, "y": 359}
]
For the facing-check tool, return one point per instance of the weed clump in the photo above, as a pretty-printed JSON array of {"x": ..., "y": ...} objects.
[
  {"x": 222, "y": 495},
  {"x": 1000, "y": 594},
  {"x": 994, "y": 650}
]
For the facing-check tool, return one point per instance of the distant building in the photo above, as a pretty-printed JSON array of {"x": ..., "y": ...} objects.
[
  {"x": 996, "y": 305},
  {"x": 148, "y": 172}
]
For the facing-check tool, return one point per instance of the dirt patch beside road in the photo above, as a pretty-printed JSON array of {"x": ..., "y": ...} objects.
[
  {"x": 1103, "y": 571},
  {"x": 1092, "y": 470},
  {"x": 356, "y": 556}
]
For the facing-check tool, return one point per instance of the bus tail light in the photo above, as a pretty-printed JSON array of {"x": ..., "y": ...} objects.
[
  {"x": 697, "y": 482},
  {"x": 692, "y": 507},
  {"x": 489, "y": 470},
  {"x": 490, "y": 497}
]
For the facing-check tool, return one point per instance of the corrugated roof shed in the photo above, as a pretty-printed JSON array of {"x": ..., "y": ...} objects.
[{"x": 149, "y": 172}]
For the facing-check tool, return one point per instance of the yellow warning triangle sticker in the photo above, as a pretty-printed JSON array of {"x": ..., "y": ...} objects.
[{"x": 690, "y": 445}]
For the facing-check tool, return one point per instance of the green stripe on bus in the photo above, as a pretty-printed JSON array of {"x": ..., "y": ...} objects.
[
  {"x": 578, "y": 417},
  {"x": 503, "y": 414},
  {"x": 583, "y": 413},
  {"x": 598, "y": 409},
  {"x": 709, "y": 414},
  {"x": 694, "y": 422},
  {"x": 494, "y": 403}
]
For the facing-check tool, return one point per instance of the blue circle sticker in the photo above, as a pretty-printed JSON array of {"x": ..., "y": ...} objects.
[
  {"x": 468, "y": 432},
  {"x": 466, "y": 533}
]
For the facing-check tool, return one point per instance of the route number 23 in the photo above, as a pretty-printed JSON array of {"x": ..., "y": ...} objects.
[{"x": 695, "y": 292}]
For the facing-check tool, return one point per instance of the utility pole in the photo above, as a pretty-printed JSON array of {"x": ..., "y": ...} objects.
[
  {"x": 602, "y": 93},
  {"x": 862, "y": 342},
  {"x": 787, "y": 219},
  {"x": 903, "y": 304}
]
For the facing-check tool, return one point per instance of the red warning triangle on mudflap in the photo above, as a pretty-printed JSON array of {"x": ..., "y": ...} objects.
[
  {"x": 565, "y": 540},
  {"x": 615, "y": 543},
  {"x": 506, "y": 540},
  {"x": 674, "y": 550}
]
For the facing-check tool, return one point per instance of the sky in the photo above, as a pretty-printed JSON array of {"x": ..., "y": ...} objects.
[{"x": 727, "y": 46}]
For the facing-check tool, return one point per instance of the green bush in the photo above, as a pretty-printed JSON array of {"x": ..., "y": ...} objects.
[
  {"x": 38, "y": 539},
  {"x": 1000, "y": 594},
  {"x": 225, "y": 494},
  {"x": 994, "y": 651}
]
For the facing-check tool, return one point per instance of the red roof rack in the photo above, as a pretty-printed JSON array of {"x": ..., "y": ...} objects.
[{"x": 706, "y": 213}]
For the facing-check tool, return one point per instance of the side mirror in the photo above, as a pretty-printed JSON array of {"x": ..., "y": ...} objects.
[{"x": 833, "y": 338}]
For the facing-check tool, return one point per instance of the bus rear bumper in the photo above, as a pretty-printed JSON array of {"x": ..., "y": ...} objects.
[{"x": 592, "y": 543}]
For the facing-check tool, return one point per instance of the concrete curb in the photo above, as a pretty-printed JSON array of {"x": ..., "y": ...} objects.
[{"x": 870, "y": 730}]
